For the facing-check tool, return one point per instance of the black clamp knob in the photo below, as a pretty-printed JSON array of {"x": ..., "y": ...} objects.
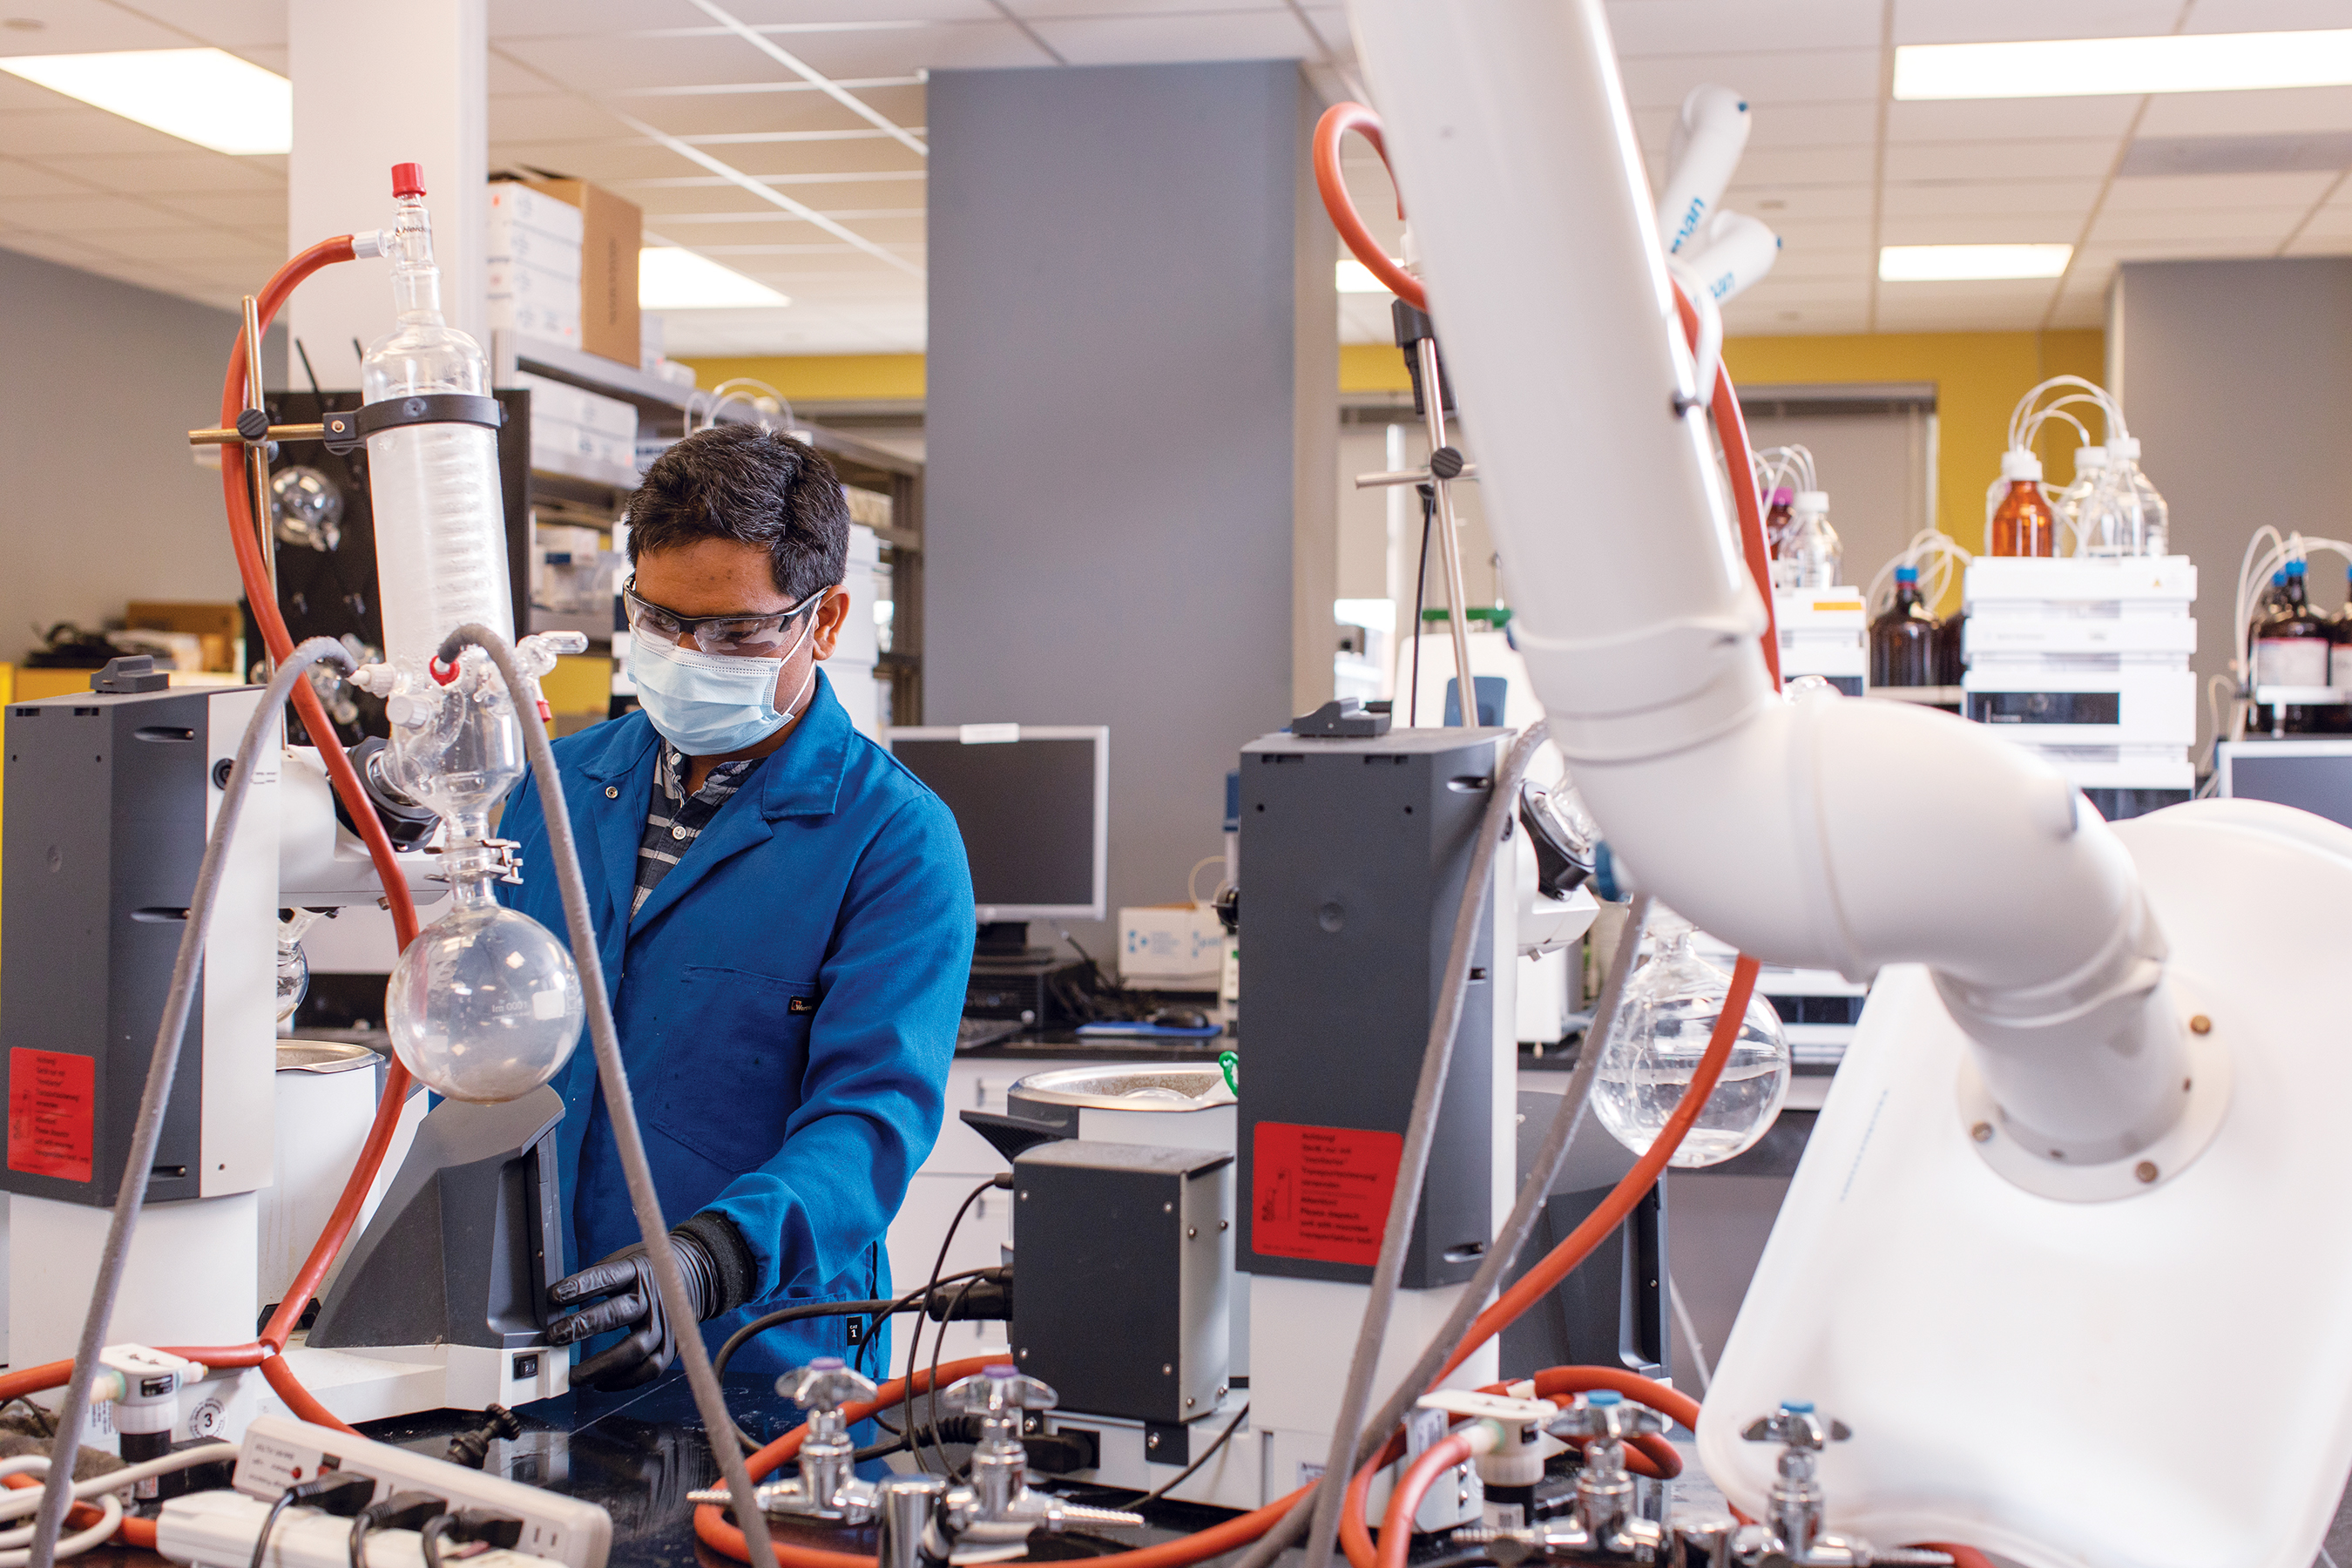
[
  {"x": 1446, "y": 463},
  {"x": 253, "y": 425}
]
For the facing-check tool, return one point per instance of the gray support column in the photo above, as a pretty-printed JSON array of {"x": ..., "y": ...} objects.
[
  {"x": 2234, "y": 376},
  {"x": 1132, "y": 417}
]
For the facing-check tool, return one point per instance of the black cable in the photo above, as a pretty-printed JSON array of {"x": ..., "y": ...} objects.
[
  {"x": 42, "y": 1419},
  {"x": 341, "y": 1493},
  {"x": 1420, "y": 592},
  {"x": 269, "y": 1523},
  {"x": 877, "y": 1310},
  {"x": 401, "y": 1511},
  {"x": 931, "y": 1290},
  {"x": 428, "y": 1537},
  {"x": 938, "y": 1342},
  {"x": 1189, "y": 1471}
]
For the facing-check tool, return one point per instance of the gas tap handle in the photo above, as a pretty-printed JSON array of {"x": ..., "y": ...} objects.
[
  {"x": 1606, "y": 1415},
  {"x": 1795, "y": 1426},
  {"x": 826, "y": 1384},
  {"x": 995, "y": 1390}
]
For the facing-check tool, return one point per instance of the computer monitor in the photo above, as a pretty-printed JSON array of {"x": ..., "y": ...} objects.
[{"x": 1033, "y": 802}]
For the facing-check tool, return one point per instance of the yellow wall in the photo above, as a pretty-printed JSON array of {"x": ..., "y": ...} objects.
[
  {"x": 1977, "y": 376},
  {"x": 813, "y": 376}
]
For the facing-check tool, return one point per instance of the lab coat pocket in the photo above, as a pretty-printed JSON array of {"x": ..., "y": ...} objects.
[{"x": 734, "y": 1049}]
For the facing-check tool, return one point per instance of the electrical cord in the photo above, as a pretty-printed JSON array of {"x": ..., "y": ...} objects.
[
  {"x": 428, "y": 1537},
  {"x": 401, "y": 1511},
  {"x": 1002, "y": 1181},
  {"x": 620, "y": 1103},
  {"x": 1419, "y": 1137},
  {"x": 162, "y": 1067},
  {"x": 1189, "y": 1471},
  {"x": 876, "y": 1310},
  {"x": 938, "y": 1340},
  {"x": 341, "y": 1493}
]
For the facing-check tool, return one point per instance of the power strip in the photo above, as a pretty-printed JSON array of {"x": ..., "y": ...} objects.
[
  {"x": 215, "y": 1530},
  {"x": 279, "y": 1451}
]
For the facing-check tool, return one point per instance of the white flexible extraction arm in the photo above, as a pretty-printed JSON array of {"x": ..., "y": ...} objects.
[{"x": 1796, "y": 830}]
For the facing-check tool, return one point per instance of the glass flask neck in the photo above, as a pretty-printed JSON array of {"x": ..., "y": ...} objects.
[{"x": 415, "y": 281}]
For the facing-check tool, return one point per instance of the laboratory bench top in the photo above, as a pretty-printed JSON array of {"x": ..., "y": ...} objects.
[{"x": 639, "y": 1453}]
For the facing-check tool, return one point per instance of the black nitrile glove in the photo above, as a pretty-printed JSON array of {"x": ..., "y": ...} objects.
[{"x": 620, "y": 1293}]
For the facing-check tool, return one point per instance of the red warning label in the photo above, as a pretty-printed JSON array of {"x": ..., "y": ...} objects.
[
  {"x": 52, "y": 1113},
  {"x": 1321, "y": 1194}
]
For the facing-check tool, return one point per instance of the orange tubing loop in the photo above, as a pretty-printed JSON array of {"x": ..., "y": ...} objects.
[{"x": 1337, "y": 121}]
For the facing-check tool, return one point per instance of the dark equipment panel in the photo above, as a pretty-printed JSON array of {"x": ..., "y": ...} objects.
[
  {"x": 105, "y": 828},
  {"x": 1354, "y": 855}
]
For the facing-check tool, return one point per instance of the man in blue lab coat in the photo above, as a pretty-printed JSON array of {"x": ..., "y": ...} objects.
[{"x": 784, "y": 917}]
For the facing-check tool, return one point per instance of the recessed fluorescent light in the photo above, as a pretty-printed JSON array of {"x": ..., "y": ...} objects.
[
  {"x": 1970, "y": 263},
  {"x": 672, "y": 277},
  {"x": 2080, "y": 67},
  {"x": 206, "y": 96},
  {"x": 1355, "y": 278}
]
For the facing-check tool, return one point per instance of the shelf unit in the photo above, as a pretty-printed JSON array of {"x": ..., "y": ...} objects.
[{"x": 582, "y": 492}]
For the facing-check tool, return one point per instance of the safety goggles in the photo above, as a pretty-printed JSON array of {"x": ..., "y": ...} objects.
[{"x": 747, "y": 637}]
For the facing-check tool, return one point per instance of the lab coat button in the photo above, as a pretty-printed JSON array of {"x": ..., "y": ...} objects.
[{"x": 612, "y": 792}]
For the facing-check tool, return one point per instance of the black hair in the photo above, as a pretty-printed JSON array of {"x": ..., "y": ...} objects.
[{"x": 753, "y": 486}]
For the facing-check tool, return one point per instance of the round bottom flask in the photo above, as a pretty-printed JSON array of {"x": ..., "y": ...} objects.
[
  {"x": 484, "y": 1004},
  {"x": 1663, "y": 1024}
]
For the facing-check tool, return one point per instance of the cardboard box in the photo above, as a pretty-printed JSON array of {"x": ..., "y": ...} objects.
[
  {"x": 611, "y": 232},
  {"x": 1170, "y": 947}
]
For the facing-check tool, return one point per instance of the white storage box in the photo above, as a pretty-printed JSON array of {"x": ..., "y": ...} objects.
[
  {"x": 1170, "y": 947},
  {"x": 534, "y": 320},
  {"x": 560, "y": 403},
  {"x": 516, "y": 206},
  {"x": 539, "y": 285}
]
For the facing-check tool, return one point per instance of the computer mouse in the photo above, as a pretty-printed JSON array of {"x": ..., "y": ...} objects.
[{"x": 1180, "y": 1018}]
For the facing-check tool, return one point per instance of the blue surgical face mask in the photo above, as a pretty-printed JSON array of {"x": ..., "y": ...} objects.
[{"x": 708, "y": 705}]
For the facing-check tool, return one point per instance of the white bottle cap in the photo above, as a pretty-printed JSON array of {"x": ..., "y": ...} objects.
[
  {"x": 2017, "y": 463},
  {"x": 2126, "y": 447},
  {"x": 2089, "y": 457},
  {"x": 1814, "y": 502}
]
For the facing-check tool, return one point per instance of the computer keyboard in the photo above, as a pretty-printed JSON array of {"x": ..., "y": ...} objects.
[{"x": 973, "y": 1033}]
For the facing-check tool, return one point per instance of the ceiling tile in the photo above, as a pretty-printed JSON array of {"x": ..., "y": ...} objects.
[
  {"x": 81, "y": 215},
  {"x": 167, "y": 174},
  {"x": 2186, "y": 250},
  {"x": 1988, "y": 21},
  {"x": 1650, "y": 27},
  {"x": 2263, "y": 15},
  {"x": 2019, "y": 119},
  {"x": 1991, "y": 198},
  {"x": 89, "y": 26},
  {"x": 1806, "y": 165},
  {"x": 1780, "y": 77},
  {"x": 2003, "y": 228},
  {"x": 1201, "y": 12},
  {"x": 260, "y": 214},
  {"x": 2194, "y": 191},
  {"x": 1154, "y": 39},
  {"x": 2248, "y": 113},
  {"x": 21, "y": 179},
  {"x": 69, "y": 127},
  {"x": 2272, "y": 224},
  {"x": 2086, "y": 159},
  {"x": 235, "y": 25},
  {"x": 1782, "y": 205},
  {"x": 1809, "y": 125},
  {"x": 2309, "y": 243},
  {"x": 2333, "y": 219}
]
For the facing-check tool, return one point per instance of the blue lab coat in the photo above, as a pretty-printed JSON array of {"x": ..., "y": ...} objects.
[{"x": 786, "y": 1000}]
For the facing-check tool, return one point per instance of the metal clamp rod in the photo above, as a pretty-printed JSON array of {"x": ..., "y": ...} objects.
[
  {"x": 230, "y": 437},
  {"x": 1408, "y": 477},
  {"x": 1457, "y": 607}
]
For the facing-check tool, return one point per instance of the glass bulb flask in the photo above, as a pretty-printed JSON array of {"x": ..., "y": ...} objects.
[
  {"x": 1663, "y": 1023},
  {"x": 484, "y": 1004}
]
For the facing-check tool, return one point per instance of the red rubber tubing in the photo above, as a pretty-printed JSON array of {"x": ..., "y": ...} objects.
[
  {"x": 1337, "y": 121},
  {"x": 1404, "y": 1498},
  {"x": 1731, "y": 429},
  {"x": 1539, "y": 1281}
]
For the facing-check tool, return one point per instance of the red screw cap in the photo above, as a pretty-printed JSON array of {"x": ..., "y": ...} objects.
[{"x": 408, "y": 179}]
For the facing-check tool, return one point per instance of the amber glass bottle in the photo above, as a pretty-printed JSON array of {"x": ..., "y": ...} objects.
[{"x": 2022, "y": 525}]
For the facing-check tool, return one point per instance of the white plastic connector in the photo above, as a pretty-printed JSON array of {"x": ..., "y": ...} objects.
[
  {"x": 377, "y": 679},
  {"x": 370, "y": 244}
]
